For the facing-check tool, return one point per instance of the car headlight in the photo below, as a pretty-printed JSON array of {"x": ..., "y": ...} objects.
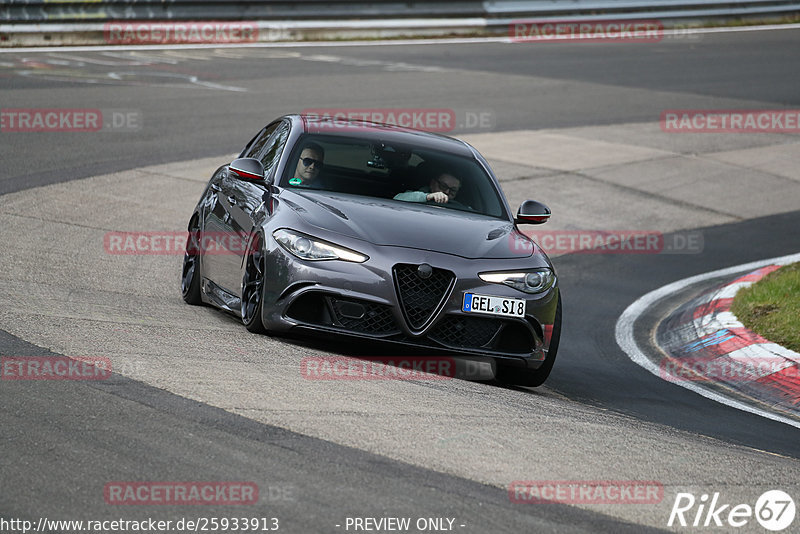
[
  {"x": 310, "y": 248},
  {"x": 533, "y": 281}
]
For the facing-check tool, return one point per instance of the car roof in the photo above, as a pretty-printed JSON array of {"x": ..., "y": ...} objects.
[{"x": 385, "y": 132}]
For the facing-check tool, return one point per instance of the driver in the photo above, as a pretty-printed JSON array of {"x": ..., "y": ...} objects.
[{"x": 309, "y": 165}]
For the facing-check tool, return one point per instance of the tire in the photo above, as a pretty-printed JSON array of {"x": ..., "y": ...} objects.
[
  {"x": 253, "y": 286},
  {"x": 535, "y": 377},
  {"x": 190, "y": 275}
]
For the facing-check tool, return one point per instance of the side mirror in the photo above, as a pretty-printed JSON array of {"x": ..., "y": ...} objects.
[
  {"x": 532, "y": 212},
  {"x": 247, "y": 169}
]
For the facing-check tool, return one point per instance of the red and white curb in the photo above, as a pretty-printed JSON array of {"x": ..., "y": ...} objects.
[
  {"x": 711, "y": 344},
  {"x": 708, "y": 347}
]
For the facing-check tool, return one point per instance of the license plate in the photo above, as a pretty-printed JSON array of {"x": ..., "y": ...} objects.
[{"x": 491, "y": 305}]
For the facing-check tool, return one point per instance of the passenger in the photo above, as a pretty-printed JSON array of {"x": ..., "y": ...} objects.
[
  {"x": 442, "y": 189},
  {"x": 309, "y": 166}
]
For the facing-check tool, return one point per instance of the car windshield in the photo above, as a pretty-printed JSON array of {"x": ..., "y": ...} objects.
[{"x": 403, "y": 173}]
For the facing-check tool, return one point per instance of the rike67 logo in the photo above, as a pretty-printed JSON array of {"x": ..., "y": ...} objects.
[{"x": 774, "y": 510}]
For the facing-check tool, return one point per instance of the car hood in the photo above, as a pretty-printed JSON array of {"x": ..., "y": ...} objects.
[{"x": 393, "y": 223}]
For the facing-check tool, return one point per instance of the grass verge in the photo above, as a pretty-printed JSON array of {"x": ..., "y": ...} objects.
[{"x": 771, "y": 306}]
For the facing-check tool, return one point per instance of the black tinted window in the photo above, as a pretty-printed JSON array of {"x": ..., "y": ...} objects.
[
  {"x": 259, "y": 141},
  {"x": 271, "y": 151}
]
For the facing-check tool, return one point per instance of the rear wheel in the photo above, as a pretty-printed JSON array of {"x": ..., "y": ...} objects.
[
  {"x": 534, "y": 377},
  {"x": 190, "y": 277},
  {"x": 253, "y": 286}
]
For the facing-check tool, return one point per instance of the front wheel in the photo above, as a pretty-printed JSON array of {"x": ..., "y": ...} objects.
[
  {"x": 253, "y": 286},
  {"x": 534, "y": 377}
]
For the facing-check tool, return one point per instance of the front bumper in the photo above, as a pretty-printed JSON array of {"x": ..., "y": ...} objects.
[{"x": 362, "y": 301}]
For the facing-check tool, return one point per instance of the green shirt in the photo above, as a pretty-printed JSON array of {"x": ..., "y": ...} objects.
[{"x": 414, "y": 196}]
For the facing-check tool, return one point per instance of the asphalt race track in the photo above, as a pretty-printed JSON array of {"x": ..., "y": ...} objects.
[{"x": 195, "y": 397}]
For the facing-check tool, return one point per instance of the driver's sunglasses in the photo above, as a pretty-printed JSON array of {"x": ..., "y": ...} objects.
[
  {"x": 446, "y": 189},
  {"x": 308, "y": 161}
]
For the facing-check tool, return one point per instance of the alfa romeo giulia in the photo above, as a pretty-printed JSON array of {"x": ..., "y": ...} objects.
[{"x": 372, "y": 231}]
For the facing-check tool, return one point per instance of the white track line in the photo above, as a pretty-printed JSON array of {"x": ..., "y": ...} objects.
[
  {"x": 330, "y": 44},
  {"x": 626, "y": 340}
]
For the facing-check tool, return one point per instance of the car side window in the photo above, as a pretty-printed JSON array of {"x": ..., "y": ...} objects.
[
  {"x": 271, "y": 151},
  {"x": 258, "y": 142}
]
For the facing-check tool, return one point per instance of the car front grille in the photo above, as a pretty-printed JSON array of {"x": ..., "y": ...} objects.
[
  {"x": 465, "y": 332},
  {"x": 420, "y": 298}
]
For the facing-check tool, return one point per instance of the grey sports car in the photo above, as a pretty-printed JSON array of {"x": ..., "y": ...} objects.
[{"x": 366, "y": 230}]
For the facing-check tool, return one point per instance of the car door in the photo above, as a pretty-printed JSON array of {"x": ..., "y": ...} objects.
[
  {"x": 220, "y": 240},
  {"x": 215, "y": 219},
  {"x": 245, "y": 197}
]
